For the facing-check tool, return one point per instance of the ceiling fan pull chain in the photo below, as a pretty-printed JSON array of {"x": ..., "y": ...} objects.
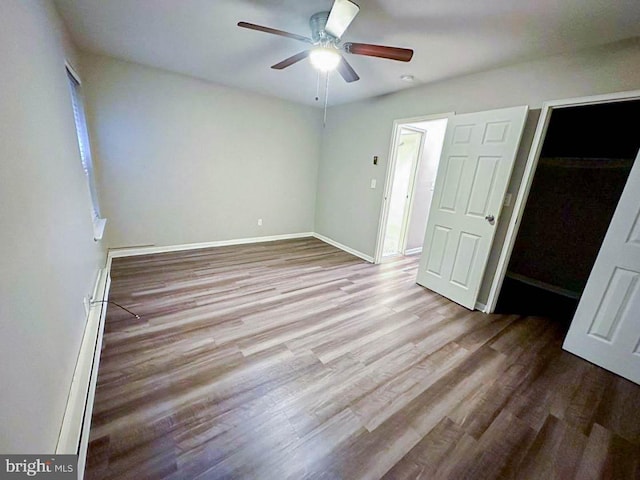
[
  {"x": 326, "y": 100},
  {"x": 318, "y": 87}
]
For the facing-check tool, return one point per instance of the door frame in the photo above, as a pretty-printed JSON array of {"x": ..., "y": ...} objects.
[
  {"x": 527, "y": 179},
  {"x": 391, "y": 165}
]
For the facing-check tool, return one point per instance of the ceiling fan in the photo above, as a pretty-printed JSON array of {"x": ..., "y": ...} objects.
[{"x": 327, "y": 28}]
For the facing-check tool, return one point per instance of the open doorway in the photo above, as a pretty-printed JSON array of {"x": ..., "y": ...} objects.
[
  {"x": 406, "y": 162},
  {"x": 411, "y": 174},
  {"x": 585, "y": 160}
]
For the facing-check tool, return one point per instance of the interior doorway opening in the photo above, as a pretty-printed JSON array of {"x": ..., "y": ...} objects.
[
  {"x": 407, "y": 155},
  {"x": 410, "y": 182},
  {"x": 586, "y": 157}
]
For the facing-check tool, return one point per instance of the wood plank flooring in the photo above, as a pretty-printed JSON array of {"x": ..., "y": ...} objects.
[{"x": 293, "y": 359}]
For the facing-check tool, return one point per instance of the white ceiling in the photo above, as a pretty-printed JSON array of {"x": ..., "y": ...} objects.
[{"x": 450, "y": 38}]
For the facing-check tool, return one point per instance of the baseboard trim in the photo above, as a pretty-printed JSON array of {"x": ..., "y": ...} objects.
[
  {"x": 74, "y": 432},
  {"x": 413, "y": 251},
  {"x": 339, "y": 245},
  {"x": 130, "y": 252}
]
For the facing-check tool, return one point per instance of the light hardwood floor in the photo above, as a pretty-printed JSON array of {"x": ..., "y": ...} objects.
[{"x": 293, "y": 359}]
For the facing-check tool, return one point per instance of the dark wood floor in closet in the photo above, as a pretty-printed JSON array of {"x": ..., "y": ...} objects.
[{"x": 293, "y": 359}]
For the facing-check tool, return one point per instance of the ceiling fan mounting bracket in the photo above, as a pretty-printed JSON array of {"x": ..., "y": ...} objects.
[{"x": 317, "y": 23}]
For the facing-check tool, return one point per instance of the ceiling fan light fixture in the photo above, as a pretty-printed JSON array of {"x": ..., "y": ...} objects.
[{"x": 324, "y": 59}]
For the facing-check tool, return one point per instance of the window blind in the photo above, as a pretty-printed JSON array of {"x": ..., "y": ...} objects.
[{"x": 83, "y": 141}]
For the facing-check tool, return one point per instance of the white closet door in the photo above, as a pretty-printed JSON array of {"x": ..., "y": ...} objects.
[{"x": 606, "y": 327}]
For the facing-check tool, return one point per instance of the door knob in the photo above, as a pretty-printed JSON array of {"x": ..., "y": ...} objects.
[{"x": 490, "y": 218}]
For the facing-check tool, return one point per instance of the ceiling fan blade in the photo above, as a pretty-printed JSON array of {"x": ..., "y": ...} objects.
[
  {"x": 291, "y": 60},
  {"x": 392, "y": 53},
  {"x": 260, "y": 28},
  {"x": 342, "y": 14},
  {"x": 347, "y": 71}
]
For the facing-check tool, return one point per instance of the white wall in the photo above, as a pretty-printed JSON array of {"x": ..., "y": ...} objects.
[
  {"x": 425, "y": 178},
  {"x": 49, "y": 259},
  {"x": 348, "y": 210},
  {"x": 181, "y": 160}
]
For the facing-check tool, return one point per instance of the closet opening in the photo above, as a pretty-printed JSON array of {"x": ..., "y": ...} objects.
[{"x": 586, "y": 157}]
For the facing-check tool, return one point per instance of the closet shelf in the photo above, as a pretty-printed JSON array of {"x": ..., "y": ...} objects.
[
  {"x": 544, "y": 285},
  {"x": 587, "y": 163}
]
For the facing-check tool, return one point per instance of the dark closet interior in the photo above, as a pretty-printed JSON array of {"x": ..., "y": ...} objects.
[{"x": 586, "y": 157}]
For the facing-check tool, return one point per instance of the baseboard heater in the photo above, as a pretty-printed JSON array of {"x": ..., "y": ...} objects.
[{"x": 74, "y": 433}]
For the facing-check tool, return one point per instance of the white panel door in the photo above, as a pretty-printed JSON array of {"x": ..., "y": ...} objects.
[
  {"x": 475, "y": 167},
  {"x": 606, "y": 327}
]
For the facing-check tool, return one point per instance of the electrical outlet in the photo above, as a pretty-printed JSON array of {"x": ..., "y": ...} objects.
[{"x": 259, "y": 222}]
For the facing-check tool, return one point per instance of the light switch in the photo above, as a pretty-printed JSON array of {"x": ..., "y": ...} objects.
[{"x": 373, "y": 183}]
